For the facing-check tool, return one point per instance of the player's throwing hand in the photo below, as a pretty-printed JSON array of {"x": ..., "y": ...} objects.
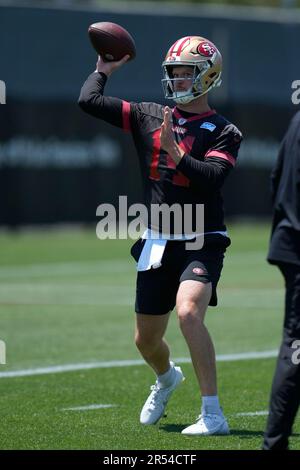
[{"x": 109, "y": 67}]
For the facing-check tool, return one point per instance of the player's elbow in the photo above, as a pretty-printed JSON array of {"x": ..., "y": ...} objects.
[
  {"x": 84, "y": 103},
  {"x": 218, "y": 176},
  {"x": 211, "y": 185},
  {"x": 90, "y": 103}
]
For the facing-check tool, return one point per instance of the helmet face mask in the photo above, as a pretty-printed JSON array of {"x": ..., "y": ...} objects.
[
  {"x": 169, "y": 84},
  {"x": 201, "y": 55}
]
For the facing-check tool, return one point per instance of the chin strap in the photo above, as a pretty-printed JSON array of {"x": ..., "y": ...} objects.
[{"x": 185, "y": 99}]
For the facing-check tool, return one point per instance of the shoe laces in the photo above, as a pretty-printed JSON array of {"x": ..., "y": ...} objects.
[
  {"x": 156, "y": 395},
  {"x": 210, "y": 416}
]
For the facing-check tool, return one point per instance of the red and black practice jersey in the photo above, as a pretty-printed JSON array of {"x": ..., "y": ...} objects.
[{"x": 209, "y": 141}]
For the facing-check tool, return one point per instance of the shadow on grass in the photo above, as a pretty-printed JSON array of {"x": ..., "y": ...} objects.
[
  {"x": 242, "y": 433},
  {"x": 173, "y": 427},
  {"x": 233, "y": 432}
]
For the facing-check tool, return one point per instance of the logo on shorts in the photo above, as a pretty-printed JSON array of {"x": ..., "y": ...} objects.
[{"x": 198, "y": 271}]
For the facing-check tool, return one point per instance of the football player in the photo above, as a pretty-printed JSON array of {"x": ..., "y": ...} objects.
[{"x": 185, "y": 154}]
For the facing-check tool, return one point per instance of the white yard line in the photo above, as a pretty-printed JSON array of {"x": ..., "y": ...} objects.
[
  {"x": 88, "y": 407},
  {"x": 126, "y": 363},
  {"x": 253, "y": 413},
  {"x": 102, "y": 406}
]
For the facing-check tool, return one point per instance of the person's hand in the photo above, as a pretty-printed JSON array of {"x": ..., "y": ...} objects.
[
  {"x": 167, "y": 140},
  {"x": 109, "y": 67}
]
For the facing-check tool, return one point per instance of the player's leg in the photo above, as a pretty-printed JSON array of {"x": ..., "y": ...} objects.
[
  {"x": 192, "y": 301},
  {"x": 149, "y": 340},
  {"x": 155, "y": 298},
  {"x": 199, "y": 277},
  {"x": 151, "y": 344}
]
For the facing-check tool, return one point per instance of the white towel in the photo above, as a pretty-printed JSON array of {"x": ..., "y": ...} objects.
[
  {"x": 151, "y": 254},
  {"x": 154, "y": 248}
]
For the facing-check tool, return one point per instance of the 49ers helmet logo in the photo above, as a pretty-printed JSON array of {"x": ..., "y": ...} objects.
[{"x": 206, "y": 49}]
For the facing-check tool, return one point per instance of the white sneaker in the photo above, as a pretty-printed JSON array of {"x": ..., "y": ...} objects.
[
  {"x": 208, "y": 424},
  {"x": 155, "y": 404}
]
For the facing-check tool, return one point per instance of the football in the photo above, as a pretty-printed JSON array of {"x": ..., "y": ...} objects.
[{"x": 111, "y": 41}]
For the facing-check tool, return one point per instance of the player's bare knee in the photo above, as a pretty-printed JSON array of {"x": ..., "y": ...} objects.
[
  {"x": 189, "y": 315},
  {"x": 146, "y": 344}
]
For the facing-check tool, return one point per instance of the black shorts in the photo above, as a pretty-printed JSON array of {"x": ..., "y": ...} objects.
[{"x": 156, "y": 289}]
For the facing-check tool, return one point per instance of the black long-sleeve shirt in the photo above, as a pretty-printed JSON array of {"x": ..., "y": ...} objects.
[
  {"x": 285, "y": 191},
  {"x": 209, "y": 141}
]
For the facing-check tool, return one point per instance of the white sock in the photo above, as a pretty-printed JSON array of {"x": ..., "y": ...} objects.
[
  {"x": 166, "y": 379},
  {"x": 210, "y": 404}
]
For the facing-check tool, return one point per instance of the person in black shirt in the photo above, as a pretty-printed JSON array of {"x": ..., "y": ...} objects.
[
  {"x": 284, "y": 251},
  {"x": 185, "y": 154}
]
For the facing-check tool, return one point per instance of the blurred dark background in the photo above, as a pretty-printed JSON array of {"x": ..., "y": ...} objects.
[{"x": 58, "y": 164}]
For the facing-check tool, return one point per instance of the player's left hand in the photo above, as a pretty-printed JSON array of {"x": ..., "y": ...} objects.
[{"x": 167, "y": 138}]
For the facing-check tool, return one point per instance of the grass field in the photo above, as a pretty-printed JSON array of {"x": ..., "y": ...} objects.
[{"x": 67, "y": 298}]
